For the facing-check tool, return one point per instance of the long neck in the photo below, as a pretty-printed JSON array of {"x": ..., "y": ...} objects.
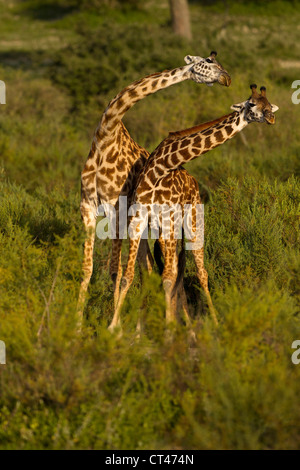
[
  {"x": 182, "y": 147},
  {"x": 137, "y": 91}
]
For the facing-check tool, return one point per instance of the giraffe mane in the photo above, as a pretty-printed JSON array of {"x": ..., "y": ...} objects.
[{"x": 200, "y": 127}]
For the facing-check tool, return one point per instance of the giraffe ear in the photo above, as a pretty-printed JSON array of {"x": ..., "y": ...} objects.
[
  {"x": 238, "y": 106},
  {"x": 274, "y": 108},
  {"x": 190, "y": 59}
]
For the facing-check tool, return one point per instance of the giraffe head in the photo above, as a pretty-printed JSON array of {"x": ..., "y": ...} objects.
[
  {"x": 257, "y": 108},
  {"x": 207, "y": 70}
]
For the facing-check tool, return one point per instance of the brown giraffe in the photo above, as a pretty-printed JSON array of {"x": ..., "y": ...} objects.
[
  {"x": 115, "y": 160},
  {"x": 163, "y": 181}
]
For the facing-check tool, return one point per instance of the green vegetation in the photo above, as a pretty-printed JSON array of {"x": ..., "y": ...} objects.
[{"x": 62, "y": 61}]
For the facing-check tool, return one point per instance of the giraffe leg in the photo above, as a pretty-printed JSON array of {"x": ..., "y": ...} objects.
[
  {"x": 87, "y": 265},
  {"x": 169, "y": 279},
  {"x": 184, "y": 304},
  {"x": 198, "y": 253},
  {"x": 145, "y": 261},
  {"x": 203, "y": 279},
  {"x": 181, "y": 291},
  {"x": 182, "y": 295},
  {"x": 162, "y": 244},
  {"x": 126, "y": 281},
  {"x": 144, "y": 256},
  {"x": 116, "y": 268}
]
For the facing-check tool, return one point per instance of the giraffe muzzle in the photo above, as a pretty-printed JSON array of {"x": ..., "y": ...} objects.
[
  {"x": 270, "y": 119},
  {"x": 224, "y": 79}
]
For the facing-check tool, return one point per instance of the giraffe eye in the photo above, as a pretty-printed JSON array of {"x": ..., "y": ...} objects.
[
  {"x": 209, "y": 61},
  {"x": 251, "y": 105}
]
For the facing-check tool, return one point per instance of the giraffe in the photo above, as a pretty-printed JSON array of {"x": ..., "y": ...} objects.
[
  {"x": 115, "y": 160},
  {"x": 164, "y": 181}
]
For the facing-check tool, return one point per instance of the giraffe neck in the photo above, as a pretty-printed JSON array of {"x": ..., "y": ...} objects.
[
  {"x": 139, "y": 90},
  {"x": 181, "y": 147}
]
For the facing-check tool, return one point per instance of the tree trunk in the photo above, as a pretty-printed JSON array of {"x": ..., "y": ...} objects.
[{"x": 181, "y": 18}]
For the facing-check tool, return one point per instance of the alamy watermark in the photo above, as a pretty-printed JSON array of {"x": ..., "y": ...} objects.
[
  {"x": 162, "y": 220},
  {"x": 2, "y": 92},
  {"x": 296, "y": 95},
  {"x": 296, "y": 354},
  {"x": 2, "y": 353}
]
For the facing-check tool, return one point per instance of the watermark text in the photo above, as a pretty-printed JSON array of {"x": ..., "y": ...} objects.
[
  {"x": 2, "y": 353},
  {"x": 161, "y": 220},
  {"x": 2, "y": 92}
]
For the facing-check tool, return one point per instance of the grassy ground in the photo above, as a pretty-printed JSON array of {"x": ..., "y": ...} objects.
[{"x": 62, "y": 61}]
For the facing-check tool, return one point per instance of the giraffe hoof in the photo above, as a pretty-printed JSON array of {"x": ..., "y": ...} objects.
[
  {"x": 79, "y": 327},
  {"x": 169, "y": 336},
  {"x": 214, "y": 317},
  {"x": 115, "y": 329},
  {"x": 192, "y": 338}
]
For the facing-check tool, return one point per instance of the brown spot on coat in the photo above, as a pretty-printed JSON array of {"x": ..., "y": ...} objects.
[
  {"x": 112, "y": 156},
  {"x": 119, "y": 103},
  {"x": 207, "y": 144},
  {"x": 229, "y": 130},
  {"x": 89, "y": 168},
  {"x": 184, "y": 143},
  {"x": 207, "y": 132},
  {"x": 151, "y": 175},
  {"x": 144, "y": 187},
  {"x": 185, "y": 153},
  {"x": 110, "y": 172},
  {"x": 133, "y": 93},
  {"x": 121, "y": 165},
  {"x": 159, "y": 170},
  {"x": 175, "y": 159},
  {"x": 219, "y": 136},
  {"x": 174, "y": 147}
]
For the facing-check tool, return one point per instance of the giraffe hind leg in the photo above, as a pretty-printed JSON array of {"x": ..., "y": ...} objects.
[
  {"x": 159, "y": 252},
  {"x": 87, "y": 265},
  {"x": 203, "y": 279},
  {"x": 169, "y": 280},
  {"x": 126, "y": 282},
  {"x": 145, "y": 261}
]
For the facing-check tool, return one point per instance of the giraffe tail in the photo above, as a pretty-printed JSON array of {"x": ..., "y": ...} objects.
[
  {"x": 181, "y": 266},
  {"x": 181, "y": 263},
  {"x": 158, "y": 257}
]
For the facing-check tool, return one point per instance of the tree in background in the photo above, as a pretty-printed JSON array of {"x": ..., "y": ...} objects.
[{"x": 181, "y": 18}]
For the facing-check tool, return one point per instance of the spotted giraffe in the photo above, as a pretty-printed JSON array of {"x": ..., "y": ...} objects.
[
  {"x": 164, "y": 181},
  {"x": 115, "y": 160}
]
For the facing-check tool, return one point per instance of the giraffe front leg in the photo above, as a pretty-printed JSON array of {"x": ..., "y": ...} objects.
[
  {"x": 116, "y": 268},
  {"x": 126, "y": 282},
  {"x": 203, "y": 279}
]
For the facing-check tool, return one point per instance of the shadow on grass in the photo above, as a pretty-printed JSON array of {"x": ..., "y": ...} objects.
[
  {"x": 25, "y": 60},
  {"x": 50, "y": 10}
]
